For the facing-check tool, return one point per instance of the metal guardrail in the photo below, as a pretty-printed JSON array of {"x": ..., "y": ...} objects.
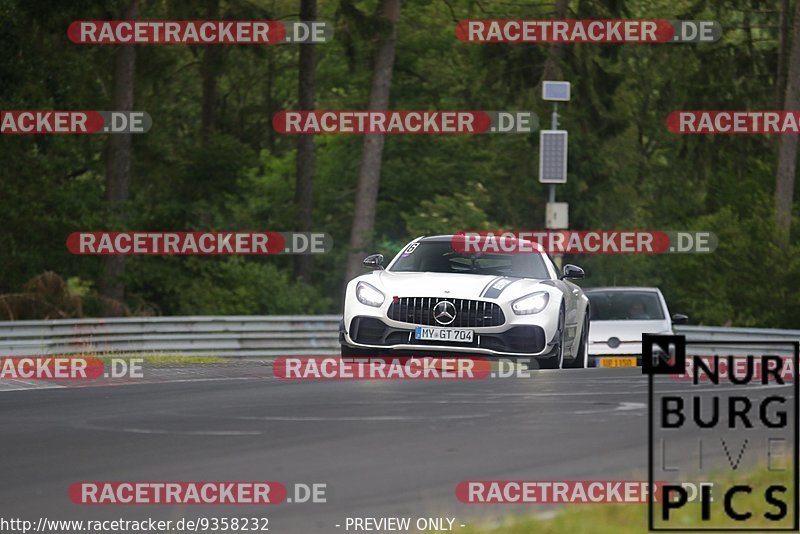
[
  {"x": 259, "y": 336},
  {"x": 752, "y": 340},
  {"x": 235, "y": 336}
]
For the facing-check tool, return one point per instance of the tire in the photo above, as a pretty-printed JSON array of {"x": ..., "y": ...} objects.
[
  {"x": 582, "y": 359},
  {"x": 556, "y": 361}
]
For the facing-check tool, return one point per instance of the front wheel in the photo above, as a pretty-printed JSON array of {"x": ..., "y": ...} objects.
[
  {"x": 556, "y": 360},
  {"x": 582, "y": 359}
]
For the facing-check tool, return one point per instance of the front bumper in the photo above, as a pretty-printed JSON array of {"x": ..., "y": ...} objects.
[{"x": 514, "y": 340}]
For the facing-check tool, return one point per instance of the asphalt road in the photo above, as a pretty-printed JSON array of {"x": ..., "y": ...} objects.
[{"x": 383, "y": 448}]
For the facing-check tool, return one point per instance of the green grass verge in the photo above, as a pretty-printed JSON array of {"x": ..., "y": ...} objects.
[
  {"x": 632, "y": 518},
  {"x": 155, "y": 357}
]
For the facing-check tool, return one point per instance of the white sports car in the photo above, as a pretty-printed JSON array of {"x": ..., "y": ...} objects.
[{"x": 433, "y": 299}]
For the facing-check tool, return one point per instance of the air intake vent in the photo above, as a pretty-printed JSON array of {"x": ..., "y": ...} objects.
[{"x": 469, "y": 313}]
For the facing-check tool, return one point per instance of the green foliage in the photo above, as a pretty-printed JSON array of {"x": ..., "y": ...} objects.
[
  {"x": 626, "y": 170},
  {"x": 77, "y": 287},
  {"x": 450, "y": 214},
  {"x": 237, "y": 287}
]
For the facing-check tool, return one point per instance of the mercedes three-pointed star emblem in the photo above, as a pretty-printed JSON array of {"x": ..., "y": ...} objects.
[{"x": 444, "y": 312}]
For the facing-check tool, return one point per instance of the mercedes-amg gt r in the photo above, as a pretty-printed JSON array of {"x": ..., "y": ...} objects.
[{"x": 436, "y": 298}]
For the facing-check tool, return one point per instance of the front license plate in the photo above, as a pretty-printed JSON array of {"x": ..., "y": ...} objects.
[
  {"x": 617, "y": 362},
  {"x": 459, "y": 335}
]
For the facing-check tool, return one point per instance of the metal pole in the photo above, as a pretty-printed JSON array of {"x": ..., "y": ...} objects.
[
  {"x": 554, "y": 126},
  {"x": 554, "y": 117}
]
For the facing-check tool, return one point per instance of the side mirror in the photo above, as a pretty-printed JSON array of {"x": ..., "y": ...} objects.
[
  {"x": 572, "y": 272},
  {"x": 680, "y": 318},
  {"x": 374, "y": 261}
]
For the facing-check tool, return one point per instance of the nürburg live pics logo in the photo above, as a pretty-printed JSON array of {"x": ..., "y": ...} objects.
[{"x": 722, "y": 434}]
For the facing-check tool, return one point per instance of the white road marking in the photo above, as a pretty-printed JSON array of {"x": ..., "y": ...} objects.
[
  {"x": 374, "y": 418},
  {"x": 621, "y": 407},
  {"x": 26, "y": 385},
  {"x": 134, "y": 430}
]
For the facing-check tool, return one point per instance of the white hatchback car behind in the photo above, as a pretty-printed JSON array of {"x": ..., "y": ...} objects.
[{"x": 619, "y": 316}]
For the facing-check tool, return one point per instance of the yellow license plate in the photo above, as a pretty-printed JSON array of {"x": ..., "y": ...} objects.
[{"x": 617, "y": 362}]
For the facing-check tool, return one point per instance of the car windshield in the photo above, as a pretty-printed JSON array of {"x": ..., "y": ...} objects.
[
  {"x": 439, "y": 257},
  {"x": 625, "y": 305}
]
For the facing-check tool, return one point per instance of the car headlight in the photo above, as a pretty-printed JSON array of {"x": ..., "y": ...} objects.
[
  {"x": 530, "y": 304},
  {"x": 366, "y": 294}
]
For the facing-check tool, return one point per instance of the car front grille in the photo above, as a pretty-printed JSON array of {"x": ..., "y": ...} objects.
[{"x": 469, "y": 313}]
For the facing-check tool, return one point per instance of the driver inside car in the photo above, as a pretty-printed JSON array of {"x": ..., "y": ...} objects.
[{"x": 636, "y": 311}]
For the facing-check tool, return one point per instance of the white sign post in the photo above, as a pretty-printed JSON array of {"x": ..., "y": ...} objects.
[{"x": 553, "y": 159}]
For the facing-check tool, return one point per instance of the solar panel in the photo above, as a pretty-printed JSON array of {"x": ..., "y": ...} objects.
[
  {"x": 558, "y": 91},
  {"x": 553, "y": 157}
]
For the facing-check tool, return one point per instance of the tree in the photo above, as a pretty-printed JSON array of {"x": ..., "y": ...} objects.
[
  {"x": 372, "y": 152},
  {"x": 303, "y": 193},
  {"x": 210, "y": 66},
  {"x": 787, "y": 151},
  {"x": 626, "y": 169},
  {"x": 552, "y": 67},
  {"x": 118, "y": 166},
  {"x": 783, "y": 37}
]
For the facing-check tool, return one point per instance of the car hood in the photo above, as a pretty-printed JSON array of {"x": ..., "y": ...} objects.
[
  {"x": 601, "y": 331},
  {"x": 465, "y": 286}
]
